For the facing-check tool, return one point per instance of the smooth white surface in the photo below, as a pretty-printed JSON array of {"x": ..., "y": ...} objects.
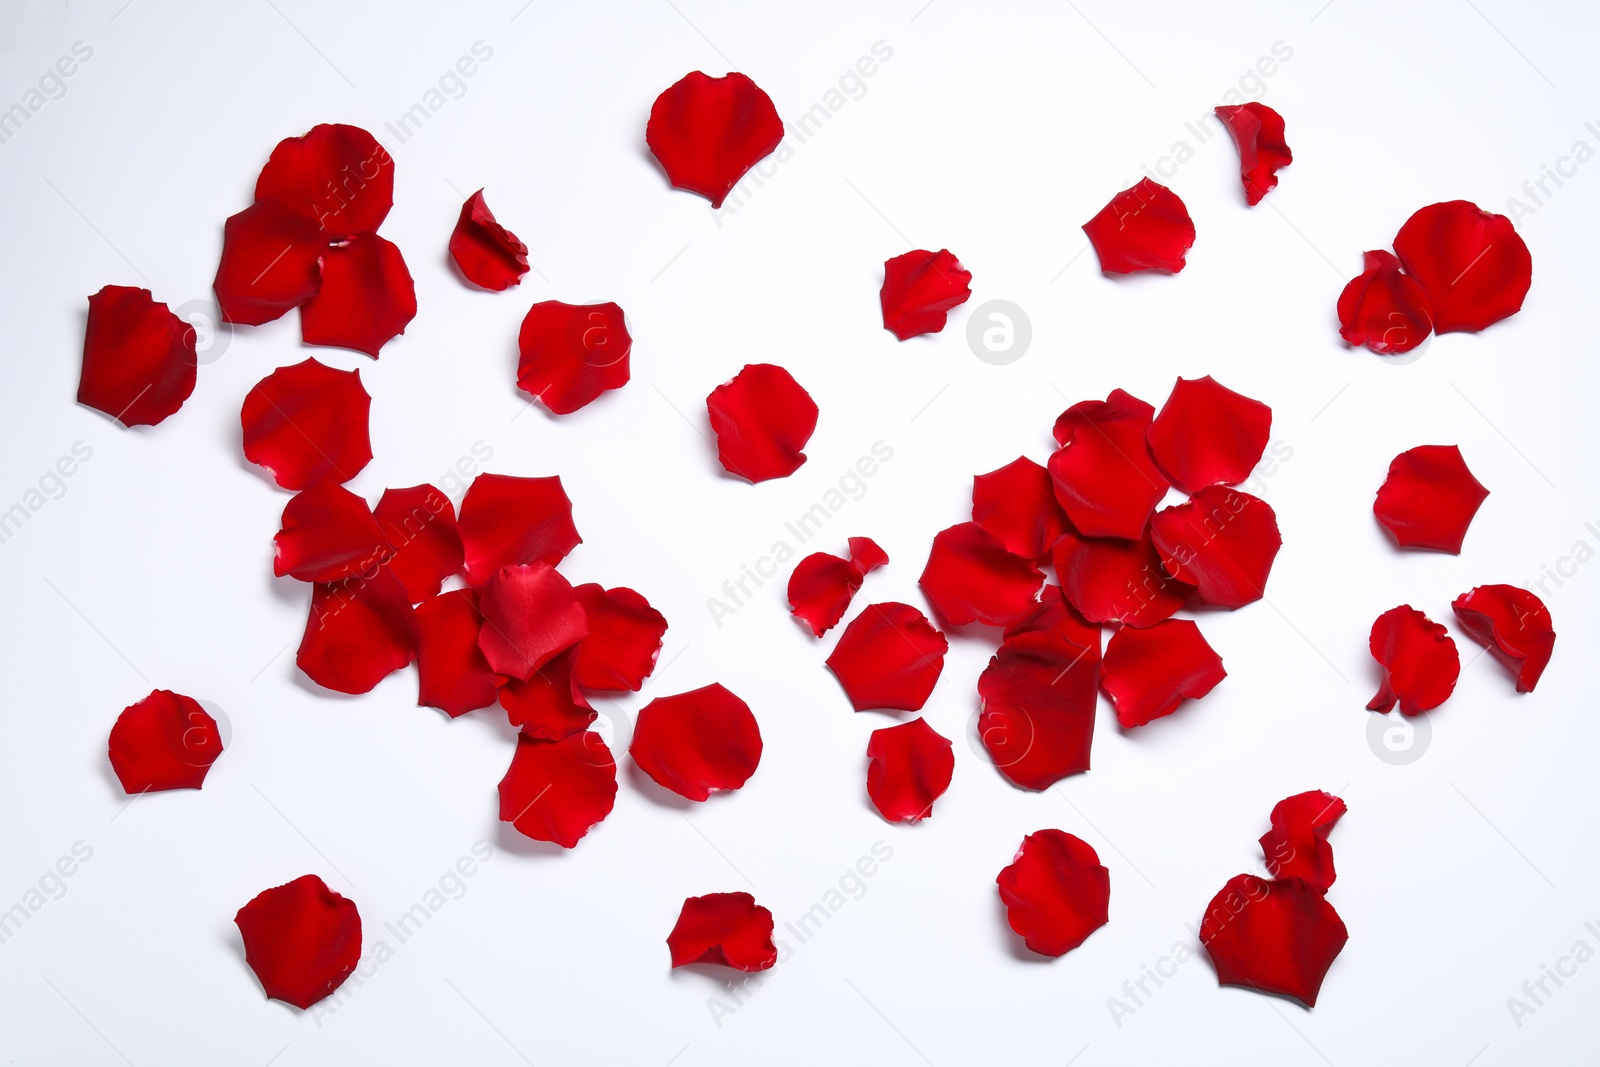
[{"x": 994, "y": 130}]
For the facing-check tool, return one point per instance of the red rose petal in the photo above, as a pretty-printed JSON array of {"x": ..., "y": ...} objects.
[
  {"x": 1384, "y": 308},
  {"x": 1056, "y": 892},
  {"x": 271, "y": 262},
  {"x": 762, "y": 419},
  {"x": 624, "y": 639},
  {"x": 302, "y": 940},
  {"x": 338, "y": 175},
  {"x": 420, "y": 525},
  {"x": 557, "y": 790},
  {"x": 919, "y": 289},
  {"x": 822, "y": 585},
  {"x": 529, "y": 617},
  {"x": 1103, "y": 473},
  {"x": 1148, "y": 673},
  {"x": 1297, "y": 845},
  {"x": 1053, "y": 613},
  {"x": 726, "y": 928},
  {"x": 165, "y": 741},
  {"x": 366, "y": 300},
  {"x": 1017, "y": 504},
  {"x": 1274, "y": 937},
  {"x": 1513, "y": 624},
  {"x": 452, "y": 674},
  {"x": 1222, "y": 541},
  {"x": 970, "y": 577},
  {"x": 1258, "y": 132},
  {"x": 328, "y": 533},
  {"x": 1142, "y": 228},
  {"x": 488, "y": 254},
  {"x": 308, "y": 421},
  {"x": 506, "y": 520},
  {"x": 548, "y": 705},
  {"x": 138, "y": 357},
  {"x": 1207, "y": 434},
  {"x": 908, "y": 767},
  {"x": 571, "y": 353},
  {"x": 1429, "y": 498},
  {"x": 1115, "y": 581},
  {"x": 697, "y": 743},
  {"x": 889, "y": 657},
  {"x": 707, "y": 132},
  {"x": 1419, "y": 660},
  {"x": 1471, "y": 262},
  {"x": 359, "y": 632},
  {"x": 1037, "y": 707}
]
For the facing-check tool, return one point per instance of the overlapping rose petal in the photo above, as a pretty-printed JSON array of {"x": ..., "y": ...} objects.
[
  {"x": 1419, "y": 659},
  {"x": 697, "y": 743},
  {"x": 1429, "y": 498},
  {"x": 165, "y": 741},
  {"x": 1274, "y": 937},
  {"x": 822, "y": 585},
  {"x": 1207, "y": 434},
  {"x": 971, "y": 577},
  {"x": 1056, "y": 892},
  {"x": 726, "y": 928},
  {"x": 507, "y": 520},
  {"x": 1384, "y": 308},
  {"x": 1473, "y": 265},
  {"x": 889, "y": 657},
  {"x": 1147, "y": 673},
  {"x": 909, "y": 766},
  {"x": 548, "y": 705},
  {"x": 419, "y": 523},
  {"x": 487, "y": 254},
  {"x": 328, "y": 534},
  {"x": 301, "y": 939},
  {"x": 1037, "y": 710},
  {"x": 1222, "y": 541},
  {"x": 367, "y": 296},
  {"x": 452, "y": 674},
  {"x": 1110, "y": 580},
  {"x": 337, "y": 175},
  {"x": 919, "y": 289},
  {"x": 558, "y": 790},
  {"x": 1513, "y": 624},
  {"x": 271, "y": 263},
  {"x": 530, "y": 616},
  {"x": 1145, "y": 227},
  {"x": 1103, "y": 474},
  {"x": 360, "y": 631},
  {"x": 1017, "y": 503},
  {"x": 308, "y": 421},
  {"x": 1257, "y": 130},
  {"x": 707, "y": 132},
  {"x": 1297, "y": 845},
  {"x": 571, "y": 353},
  {"x": 624, "y": 639},
  {"x": 1054, "y": 614},
  {"x": 138, "y": 357},
  {"x": 762, "y": 418}
]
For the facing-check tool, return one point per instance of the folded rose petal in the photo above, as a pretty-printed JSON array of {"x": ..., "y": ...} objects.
[
  {"x": 1148, "y": 673},
  {"x": 1297, "y": 845},
  {"x": 624, "y": 639},
  {"x": 420, "y": 525},
  {"x": 557, "y": 790},
  {"x": 271, "y": 262},
  {"x": 452, "y": 674},
  {"x": 1513, "y": 624},
  {"x": 1207, "y": 434},
  {"x": 762, "y": 419},
  {"x": 571, "y": 353},
  {"x": 1384, "y": 308},
  {"x": 697, "y": 743},
  {"x": 1222, "y": 541},
  {"x": 338, "y": 175},
  {"x": 1419, "y": 659},
  {"x": 1037, "y": 707},
  {"x": 1143, "y": 228},
  {"x": 360, "y": 631},
  {"x": 1429, "y": 498},
  {"x": 1056, "y": 892},
  {"x": 1103, "y": 473},
  {"x": 328, "y": 533},
  {"x": 366, "y": 300},
  {"x": 165, "y": 741},
  {"x": 822, "y": 585},
  {"x": 308, "y": 421},
  {"x": 138, "y": 357},
  {"x": 908, "y": 767},
  {"x": 726, "y": 928},
  {"x": 1471, "y": 262},
  {"x": 919, "y": 289},
  {"x": 302, "y": 940},
  {"x": 1274, "y": 937},
  {"x": 487, "y": 254},
  {"x": 889, "y": 657},
  {"x": 529, "y": 617},
  {"x": 970, "y": 577},
  {"x": 707, "y": 132},
  {"x": 548, "y": 705},
  {"x": 1258, "y": 132},
  {"x": 507, "y": 520},
  {"x": 1017, "y": 504},
  {"x": 1053, "y": 613},
  {"x": 1110, "y": 580}
]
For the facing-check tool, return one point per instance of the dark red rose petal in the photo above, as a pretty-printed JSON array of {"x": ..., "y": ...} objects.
[
  {"x": 548, "y": 705},
  {"x": 822, "y": 585},
  {"x": 138, "y": 357},
  {"x": 697, "y": 743},
  {"x": 1017, "y": 504},
  {"x": 970, "y": 577},
  {"x": 488, "y": 254},
  {"x": 1056, "y": 892},
  {"x": 1419, "y": 660},
  {"x": 1222, "y": 541},
  {"x": 338, "y": 175},
  {"x": 1297, "y": 845},
  {"x": 420, "y": 525},
  {"x": 1274, "y": 937},
  {"x": 1110, "y": 580},
  {"x": 506, "y": 520},
  {"x": 328, "y": 533},
  {"x": 1429, "y": 498},
  {"x": 1384, "y": 308},
  {"x": 571, "y": 353},
  {"x": 624, "y": 639},
  {"x": 726, "y": 928},
  {"x": 707, "y": 132},
  {"x": 557, "y": 790},
  {"x": 271, "y": 262},
  {"x": 529, "y": 617},
  {"x": 1148, "y": 673},
  {"x": 165, "y": 741},
  {"x": 1053, "y": 613},
  {"x": 1258, "y": 132},
  {"x": 1037, "y": 707},
  {"x": 889, "y": 657},
  {"x": 1143, "y": 228},
  {"x": 302, "y": 940},
  {"x": 919, "y": 289},
  {"x": 308, "y": 421},
  {"x": 762, "y": 419},
  {"x": 366, "y": 300},
  {"x": 1513, "y": 624},
  {"x": 1471, "y": 262},
  {"x": 360, "y": 631},
  {"x": 908, "y": 767},
  {"x": 1103, "y": 473},
  {"x": 1207, "y": 434},
  {"x": 452, "y": 674}
]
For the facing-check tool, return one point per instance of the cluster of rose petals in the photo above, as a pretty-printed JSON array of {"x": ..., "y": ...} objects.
[
  {"x": 1419, "y": 660},
  {"x": 571, "y": 353},
  {"x": 730, "y": 929},
  {"x": 1513, "y": 624},
  {"x": 1145, "y": 227},
  {"x": 306, "y": 422},
  {"x": 889, "y": 658},
  {"x": 909, "y": 766},
  {"x": 822, "y": 585},
  {"x": 487, "y": 254},
  {"x": 1257, "y": 130},
  {"x": 697, "y": 743},
  {"x": 1148, "y": 672},
  {"x": 762, "y": 418},
  {"x": 138, "y": 357},
  {"x": 919, "y": 289},
  {"x": 707, "y": 132},
  {"x": 1429, "y": 498},
  {"x": 302, "y": 940},
  {"x": 1056, "y": 892},
  {"x": 165, "y": 741}
]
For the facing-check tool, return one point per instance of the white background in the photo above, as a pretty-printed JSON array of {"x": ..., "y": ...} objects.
[{"x": 994, "y": 130}]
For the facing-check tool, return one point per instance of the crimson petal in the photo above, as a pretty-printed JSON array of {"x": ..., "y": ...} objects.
[
  {"x": 1056, "y": 892},
  {"x": 1513, "y": 624},
  {"x": 1103, "y": 473},
  {"x": 1017, "y": 504},
  {"x": 1257, "y": 130},
  {"x": 970, "y": 577},
  {"x": 558, "y": 790},
  {"x": 908, "y": 767},
  {"x": 1471, "y": 262},
  {"x": 302, "y": 940},
  {"x": 308, "y": 421},
  {"x": 165, "y": 741},
  {"x": 420, "y": 525},
  {"x": 271, "y": 262},
  {"x": 890, "y": 656},
  {"x": 1274, "y": 937},
  {"x": 707, "y": 132},
  {"x": 366, "y": 300},
  {"x": 452, "y": 674},
  {"x": 919, "y": 289},
  {"x": 1054, "y": 613},
  {"x": 571, "y": 353},
  {"x": 359, "y": 632},
  {"x": 624, "y": 639},
  {"x": 1142, "y": 228},
  {"x": 822, "y": 585},
  {"x": 1110, "y": 580},
  {"x": 762, "y": 418},
  {"x": 1429, "y": 498},
  {"x": 488, "y": 254},
  {"x": 548, "y": 705},
  {"x": 1297, "y": 845},
  {"x": 338, "y": 175},
  {"x": 1037, "y": 707},
  {"x": 1222, "y": 541},
  {"x": 1384, "y": 308},
  {"x": 726, "y": 928},
  {"x": 1419, "y": 659},
  {"x": 1207, "y": 434},
  {"x": 506, "y": 520},
  {"x": 1148, "y": 673},
  {"x": 328, "y": 533},
  {"x": 138, "y": 357},
  {"x": 529, "y": 617},
  {"x": 697, "y": 743}
]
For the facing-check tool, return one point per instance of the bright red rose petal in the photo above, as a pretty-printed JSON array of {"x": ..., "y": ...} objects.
[
  {"x": 1471, "y": 262},
  {"x": 1297, "y": 845},
  {"x": 919, "y": 289},
  {"x": 1274, "y": 937},
  {"x": 165, "y": 741},
  {"x": 822, "y": 585},
  {"x": 1037, "y": 707},
  {"x": 1429, "y": 498},
  {"x": 726, "y": 928},
  {"x": 908, "y": 767},
  {"x": 302, "y": 940},
  {"x": 488, "y": 254},
  {"x": 571, "y": 353},
  {"x": 1513, "y": 624},
  {"x": 452, "y": 674},
  {"x": 138, "y": 357},
  {"x": 271, "y": 262},
  {"x": 1384, "y": 308},
  {"x": 328, "y": 533},
  {"x": 366, "y": 300},
  {"x": 548, "y": 705},
  {"x": 1055, "y": 614},
  {"x": 557, "y": 790},
  {"x": 359, "y": 632},
  {"x": 1419, "y": 659},
  {"x": 762, "y": 418},
  {"x": 1148, "y": 673},
  {"x": 420, "y": 525},
  {"x": 697, "y": 743},
  {"x": 1143, "y": 228},
  {"x": 529, "y": 617},
  {"x": 1207, "y": 434},
  {"x": 308, "y": 421},
  {"x": 338, "y": 175},
  {"x": 507, "y": 520},
  {"x": 624, "y": 639},
  {"x": 707, "y": 132},
  {"x": 1056, "y": 892},
  {"x": 1103, "y": 473},
  {"x": 889, "y": 657},
  {"x": 970, "y": 577},
  {"x": 1110, "y": 580},
  {"x": 1258, "y": 132},
  {"x": 1017, "y": 504},
  {"x": 1222, "y": 541}
]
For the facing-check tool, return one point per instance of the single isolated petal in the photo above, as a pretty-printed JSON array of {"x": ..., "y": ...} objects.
[
  {"x": 271, "y": 262},
  {"x": 328, "y": 533},
  {"x": 308, "y": 421},
  {"x": 138, "y": 357},
  {"x": 1056, "y": 892},
  {"x": 506, "y": 520},
  {"x": 726, "y": 928},
  {"x": 762, "y": 418},
  {"x": 1017, "y": 504},
  {"x": 908, "y": 767},
  {"x": 488, "y": 254},
  {"x": 366, "y": 300},
  {"x": 548, "y": 705},
  {"x": 1513, "y": 624},
  {"x": 452, "y": 674},
  {"x": 571, "y": 353},
  {"x": 1258, "y": 132},
  {"x": 360, "y": 631},
  {"x": 1419, "y": 659},
  {"x": 338, "y": 175},
  {"x": 1429, "y": 498},
  {"x": 822, "y": 585},
  {"x": 165, "y": 741},
  {"x": 1055, "y": 614},
  {"x": 420, "y": 525},
  {"x": 1384, "y": 308},
  {"x": 889, "y": 657},
  {"x": 1037, "y": 707},
  {"x": 1143, "y": 228},
  {"x": 1472, "y": 263},
  {"x": 1207, "y": 435},
  {"x": 1103, "y": 473},
  {"x": 1274, "y": 937},
  {"x": 919, "y": 289},
  {"x": 697, "y": 743},
  {"x": 1297, "y": 845},
  {"x": 707, "y": 132},
  {"x": 1110, "y": 580},
  {"x": 1148, "y": 673},
  {"x": 970, "y": 577},
  {"x": 529, "y": 617},
  {"x": 302, "y": 940},
  {"x": 557, "y": 790},
  {"x": 624, "y": 639},
  {"x": 1221, "y": 541}
]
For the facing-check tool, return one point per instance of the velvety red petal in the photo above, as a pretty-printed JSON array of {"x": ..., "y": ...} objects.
[
  {"x": 822, "y": 585},
  {"x": 1103, "y": 474},
  {"x": 624, "y": 639},
  {"x": 1274, "y": 937},
  {"x": 1513, "y": 624},
  {"x": 529, "y": 617},
  {"x": 1017, "y": 504},
  {"x": 308, "y": 421},
  {"x": 1037, "y": 707},
  {"x": 1419, "y": 659},
  {"x": 338, "y": 175},
  {"x": 360, "y": 631},
  {"x": 548, "y": 705},
  {"x": 1207, "y": 434},
  {"x": 970, "y": 577},
  {"x": 506, "y": 520},
  {"x": 420, "y": 525},
  {"x": 367, "y": 297},
  {"x": 919, "y": 289},
  {"x": 328, "y": 533},
  {"x": 302, "y": 940},
  {"x": 762, "y": 418},
  {"x": 488, "y": 254},
  {"x": 571, "y": 353},
  {"x": 908, "y": 767},
  {"x": 1056, "y": 892},
  {"x": 1258, "y": 132},
  {"x": 557, "y": 790},
  {"x": 271, "y": 262},
  {"x": 726, "y": 928},
  {"x": 697, "y": 743},
  {"x": 890, "y": 657},
  {"x": 1054, "y": 613},
  {"x": 1222, "y": 541},
  {"x": 452, "y": 674},
  {"x": 1143, "y": 228},
  {"x": 138, "y": 357},
  {"x": 1148, "y": 673},
  {"x": 165, "y": 741},
  {"x": 1384, "y": 308},
  {"x": 1115, "y": 581},
  {"x": 1429, "y": 498},
  {"x": 1471, "y": 262},
  {"x": 707, "y": 132},
  {"x": 1297, "y": 845}
]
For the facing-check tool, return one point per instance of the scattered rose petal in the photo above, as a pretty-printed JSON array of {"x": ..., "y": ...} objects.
[
  {"x": 1053, "y": 613},
  {"x": 571, "y": 353},
  {"x": 1110, "y": 580},
  {"x": 452, "y": 674},
  {"x": 557, "y": 790},
  {"x": 506, "y": 520},
  {"x": 338, "y": 175},
  {"x": 1471, "y": 262},
  {"x": 165, "y": 741},
  {"x": 360, "y": 631},
  {"x": 697, "y": 743},
  {"x": 1384, "y": 308},
  {"x": 1017, "y": 504},
  {"x": 1143, "y": 228},
  {"x": 138, "y": 357},
  {"x": 1258, "y": 132},
  {"x": 726, "y": 928},
  {"x": 1429, "y": 498},
  {"x": 328, "y": 533},
  {"x": 889, "y": 657},
  {"x": 1513, "y": 624},
  {"x": 1222, "y": 541},
  {"x": 707, "y": 132},
  {"x": 1056, "y": 892},
  {"x": 1037, "y": 707},
  {"x": 1297, "y": 845},
  {"x": 529, "y": 617},
  {"x": 488, "y": 254},
  {"x": 302, "y": 940},
  {"x": 762, "y": 419},
  {"x": 919, "y": 289},
  {"x": 908, "y": 767},
  {"x": 1148, "y": 673},
  {"x": 624, "y": 639},
  {"x": 1419, "y": 660},
  {"x": 822, "y": 585},
  {"x": 271, "y": 262},
  {"x": 548, "y": 705},
  {"x": 1103, "y": 474},
  {"x": 366, "y": 300},
  {"x": 308, "y": 421},
  {"x": 1207, "y": 435},
  {"x": 970, "y": 577},
  {"x": 420, "y": 525},
  {"x": 1274, "y": 937}
]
